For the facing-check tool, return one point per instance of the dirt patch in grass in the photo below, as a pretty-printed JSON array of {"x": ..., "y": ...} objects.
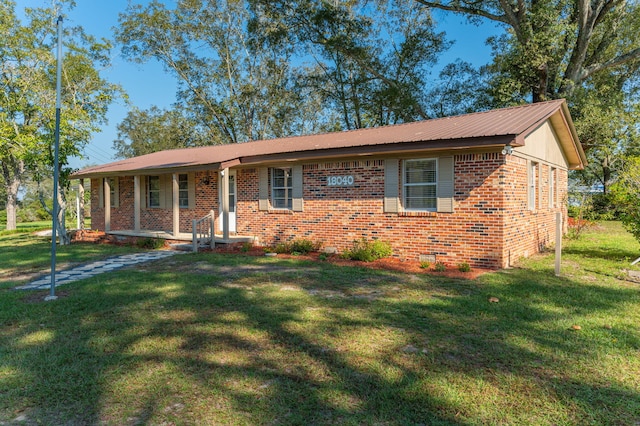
[
  {"x": 38, "y": 296},
  {"x": 229, "y": 270}
]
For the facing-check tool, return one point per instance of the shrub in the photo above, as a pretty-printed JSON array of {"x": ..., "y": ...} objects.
[
  {"x": 576, "y": 226},
  {"x": 425, "y": 265},
  {"x": 304, "y": 246},
  {"x": 282, "y": 248},
  {"x": 368, "y": 251},
  {"x": 150, "y": 243},
  {"x": 297, "y": 247},
  {"x": 464, "y": 267},
  {"x": 440, "y": 267},
  {"x": 627, "y": 195}
]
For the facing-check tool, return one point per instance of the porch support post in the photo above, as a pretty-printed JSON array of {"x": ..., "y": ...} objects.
[
  {"x": 107, "y": 204},
  {"x": 80, "y": 205},
  {"x": 136, "y": 203},
  {"x": 176, "y": 205},
  {"x": 225, "y": 203}
]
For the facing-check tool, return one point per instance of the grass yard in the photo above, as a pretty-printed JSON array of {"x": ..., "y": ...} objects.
[
  {"x": 230, "y": 339},
  {"x": 24, "y": 256}
]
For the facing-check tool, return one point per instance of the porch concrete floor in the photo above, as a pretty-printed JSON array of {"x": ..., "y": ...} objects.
[{"x": 182, "y": 236}]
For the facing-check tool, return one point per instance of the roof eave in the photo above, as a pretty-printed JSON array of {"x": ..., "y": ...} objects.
[
  {"x": 384, "y": 149},
  {"x": 486, "y": 142},
  {"x": 146, "y": 171}
]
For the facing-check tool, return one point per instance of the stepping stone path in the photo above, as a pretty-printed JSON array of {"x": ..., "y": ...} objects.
[{"x": 92, "y": 269}]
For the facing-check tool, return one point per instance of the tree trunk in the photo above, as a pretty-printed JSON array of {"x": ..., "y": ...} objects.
[
  {"x": 59, "y": 222},
  {"x": 80, "y": 212},
  {"x": 12, "y": 207},
  {"x": 12, "y": 174},
  {"x": 61, "y": 225},
  {"x": 539, "y": 92}
]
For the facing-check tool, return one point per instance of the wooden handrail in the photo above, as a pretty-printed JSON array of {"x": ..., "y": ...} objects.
[{"x": 203, "y": 231}]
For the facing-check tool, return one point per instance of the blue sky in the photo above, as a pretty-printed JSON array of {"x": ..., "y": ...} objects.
[{"x": 148, "y": 84}]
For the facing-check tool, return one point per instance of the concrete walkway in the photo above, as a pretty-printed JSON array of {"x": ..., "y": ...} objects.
[{"x": 92, "y": 269}]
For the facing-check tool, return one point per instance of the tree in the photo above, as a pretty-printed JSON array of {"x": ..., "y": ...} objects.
[
  {"x": 239, "y": 89},
  {"x": 627, "y": 195},
  {"x": 371, "y": 59},
  {"x": 456, "y": 91},
  {"x": 143, "y": 132},
  {"x": 553, "y": 46},
  {"x": 584, "y": 50},
  {"x": 27, "y": 104},
  {"x": 606, "y": 117}
]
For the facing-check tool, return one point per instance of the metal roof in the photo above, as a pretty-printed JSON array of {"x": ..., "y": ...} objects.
[{"x": 489, "y": 128}]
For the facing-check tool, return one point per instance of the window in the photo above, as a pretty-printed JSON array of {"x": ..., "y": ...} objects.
[
  {"x": 420, "y": 184},
  {"x": 153, "y": 191},
  {"x": 183, "y": 191},
  {"x": 552, "y": 187},
  {"x": 113, "y": 194},
  {"x": 281, "y": 189},
  {"x": 533, "y": 179}
]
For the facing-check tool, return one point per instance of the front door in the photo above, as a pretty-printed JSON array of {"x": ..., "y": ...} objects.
[{"x": 232, "y": 203}]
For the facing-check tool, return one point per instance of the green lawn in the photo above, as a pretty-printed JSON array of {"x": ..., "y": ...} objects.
[
  {"x": 228, "y": 339},
  {"x": 34, "y": 226},
  {"x": 22, "y": 255}
]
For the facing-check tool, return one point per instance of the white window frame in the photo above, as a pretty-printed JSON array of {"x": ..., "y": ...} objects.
[
  {"x": 532, "y": 184},
  {"x": 149, "y": 191},
  {"x": 288, "y": 188},
  {"x": 113, "y": 189},
  {"x": 183, "y": 191},
  {"x": 406, "y": 185},
  {"x": 552, "y": 187}
]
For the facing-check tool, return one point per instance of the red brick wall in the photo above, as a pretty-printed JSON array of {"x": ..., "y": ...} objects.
[
  {"x": 490, "y": 227},
  {"x": 339, "y": 215},
  {"x": 153, "y": 219},
  {"x": 529, "y": 231}
]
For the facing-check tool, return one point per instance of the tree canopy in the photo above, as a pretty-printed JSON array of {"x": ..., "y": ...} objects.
[
  {"x": 27, "y": 103},
  {"x": 554, "y": 46},
  {"x": 345, "y": 65}
]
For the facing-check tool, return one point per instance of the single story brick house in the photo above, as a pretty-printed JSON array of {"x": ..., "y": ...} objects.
[{"x": 480, "y": 188}]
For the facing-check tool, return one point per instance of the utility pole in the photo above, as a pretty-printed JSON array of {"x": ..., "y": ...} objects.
[{"x": 56, "y": 171}]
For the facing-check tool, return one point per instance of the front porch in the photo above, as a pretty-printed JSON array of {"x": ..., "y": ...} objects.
[
  {"x": 176, "y": 194},
  {"x": 180, "y": 236}
]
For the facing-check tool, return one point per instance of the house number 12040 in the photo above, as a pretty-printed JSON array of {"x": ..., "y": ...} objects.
[{"x": 339, "y": 180}]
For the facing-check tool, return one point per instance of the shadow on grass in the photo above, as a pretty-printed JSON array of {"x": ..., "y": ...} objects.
[
  {"x": 607, "y": 253},
  {"x": 339, "y": 346}
]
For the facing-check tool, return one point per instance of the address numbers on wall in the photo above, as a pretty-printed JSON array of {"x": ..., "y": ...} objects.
[{"x": 340, "y": 180}]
